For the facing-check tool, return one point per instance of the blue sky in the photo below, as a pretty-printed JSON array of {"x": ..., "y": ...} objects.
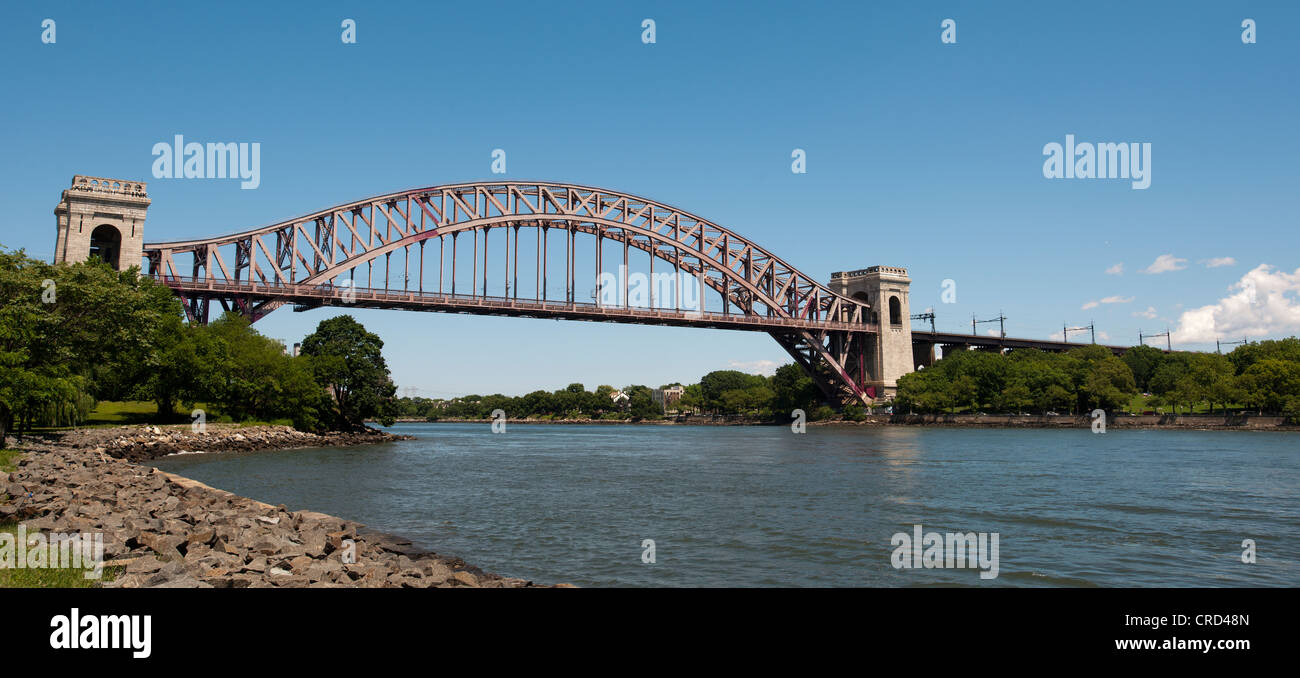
[{"x": 919, "y": 154}]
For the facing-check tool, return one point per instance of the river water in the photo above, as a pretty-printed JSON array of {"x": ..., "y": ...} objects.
[{"x": 762, "y": 506}]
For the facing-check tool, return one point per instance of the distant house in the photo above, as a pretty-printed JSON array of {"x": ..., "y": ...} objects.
[{"x": 620, "y": 399}]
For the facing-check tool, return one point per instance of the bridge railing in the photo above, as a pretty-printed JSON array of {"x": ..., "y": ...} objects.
[{"x": 347, "y": 295}]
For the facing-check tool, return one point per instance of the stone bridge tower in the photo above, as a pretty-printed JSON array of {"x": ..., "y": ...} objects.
[
  {"x": 889, "y": 354},
  {"x": 104, "y": 218}
]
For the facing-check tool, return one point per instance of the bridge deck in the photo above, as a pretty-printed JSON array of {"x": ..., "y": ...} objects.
[{"x": 306, "y": 297}]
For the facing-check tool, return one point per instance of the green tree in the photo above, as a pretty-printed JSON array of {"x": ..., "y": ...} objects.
[
  {"x": 1210, "y": 378},
  {"x": 1143, "y": 361},
  {"x": 1101, "y": 380},
  {"x": 1246, "y": 355},
  {"x": 260, "y": 381},
  {"x": 753, "y": 400},
  {"x": 1271, "y": 384},
  {"x": 1016, "y": 396},
  {"x": 964, "y": 392},
  {"x": 349, "y": 362},
  {"x": 714, "y": 384},
  {"x": 926, "y": 391},
  {"x": 692, "y": 398},
  {"x": 1047, "y": 376},
  {"x": 1108, "y": 385},
  {"x": 793, "y": 389},
  {"x": 1167, "y": 377},
  {"x": 641, "y": 405},
  {"x": 538, "y": 403},
  {"x": 187, "y": 365},
  {"x": 69, "y": 332}
]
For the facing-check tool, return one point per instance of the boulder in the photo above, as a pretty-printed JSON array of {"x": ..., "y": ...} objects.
[
  {"x": 437, "y": 572},
  {"x": 143, "y": 565},
  {"x": 184, "y": 581},
  {"x": 202, "y": 535},
  {"x": 166, "y": 546},
  {"x": 169, "y": 571}
]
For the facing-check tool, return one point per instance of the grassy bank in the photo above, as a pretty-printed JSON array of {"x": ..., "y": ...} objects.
[
  {"x": 47, "y": 577},
  {"x": 8, "y": 464},
  {"x": 143, "y": 413},
  {"x": 9, "y": 460}
]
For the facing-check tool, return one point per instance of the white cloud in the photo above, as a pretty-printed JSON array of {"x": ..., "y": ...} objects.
[
  {"x": 764, "y": 367},
  {"x": 1107, "y": 300},
  {"x": 1102, "y": 336},
  {"x": 1165, "y": 263},
  {"x": 1263, "y": 303},
  {"x": 1117, "y": 269},
  {"x": 1149, "y": 313},
  {"x": 1219, "y": 261}
]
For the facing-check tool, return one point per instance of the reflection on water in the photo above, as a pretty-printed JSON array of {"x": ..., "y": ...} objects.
[{"x": 761, "y": 506}]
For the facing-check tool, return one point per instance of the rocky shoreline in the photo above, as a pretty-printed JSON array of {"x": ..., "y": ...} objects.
[
  {"x": 142, "y": 443},
  {"x": 161, "y": 530}
]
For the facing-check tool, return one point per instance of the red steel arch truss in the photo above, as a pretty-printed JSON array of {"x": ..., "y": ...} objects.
[{"x": 315, "y": 260}]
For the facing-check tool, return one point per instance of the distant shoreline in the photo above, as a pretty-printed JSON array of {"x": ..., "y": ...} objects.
[{"x": 1183, "y": 422}]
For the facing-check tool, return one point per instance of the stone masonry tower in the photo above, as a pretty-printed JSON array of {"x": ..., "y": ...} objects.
[
  {"x": 103, "y": 218},
  {"x": 889, "y": 356}
]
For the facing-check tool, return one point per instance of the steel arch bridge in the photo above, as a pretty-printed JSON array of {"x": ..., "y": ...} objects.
[{"x": 318, "y": 259}]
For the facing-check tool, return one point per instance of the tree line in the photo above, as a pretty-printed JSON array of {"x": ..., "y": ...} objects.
[
  {"x": 75, "y": 334},
  {"x": 722, "y": 392},
  {"x": 1262, "y": 376}
]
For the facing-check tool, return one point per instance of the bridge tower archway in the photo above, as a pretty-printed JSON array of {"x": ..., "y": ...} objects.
[{"x": 106, "y": 244}]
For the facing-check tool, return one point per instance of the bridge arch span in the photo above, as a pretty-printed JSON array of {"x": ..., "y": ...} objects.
[{"x": 316, "y": 259}]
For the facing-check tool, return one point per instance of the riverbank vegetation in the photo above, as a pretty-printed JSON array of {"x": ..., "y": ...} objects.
[
  {"x": 719, "y": 393},
  {"x": 1262, "y": 377},
  {"x": 72, "y": 335}
]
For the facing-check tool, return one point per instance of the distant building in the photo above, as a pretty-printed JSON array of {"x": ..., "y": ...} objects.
[
  {"x": 668, "y": 397},
  {"x": 620, "y": 399}
]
